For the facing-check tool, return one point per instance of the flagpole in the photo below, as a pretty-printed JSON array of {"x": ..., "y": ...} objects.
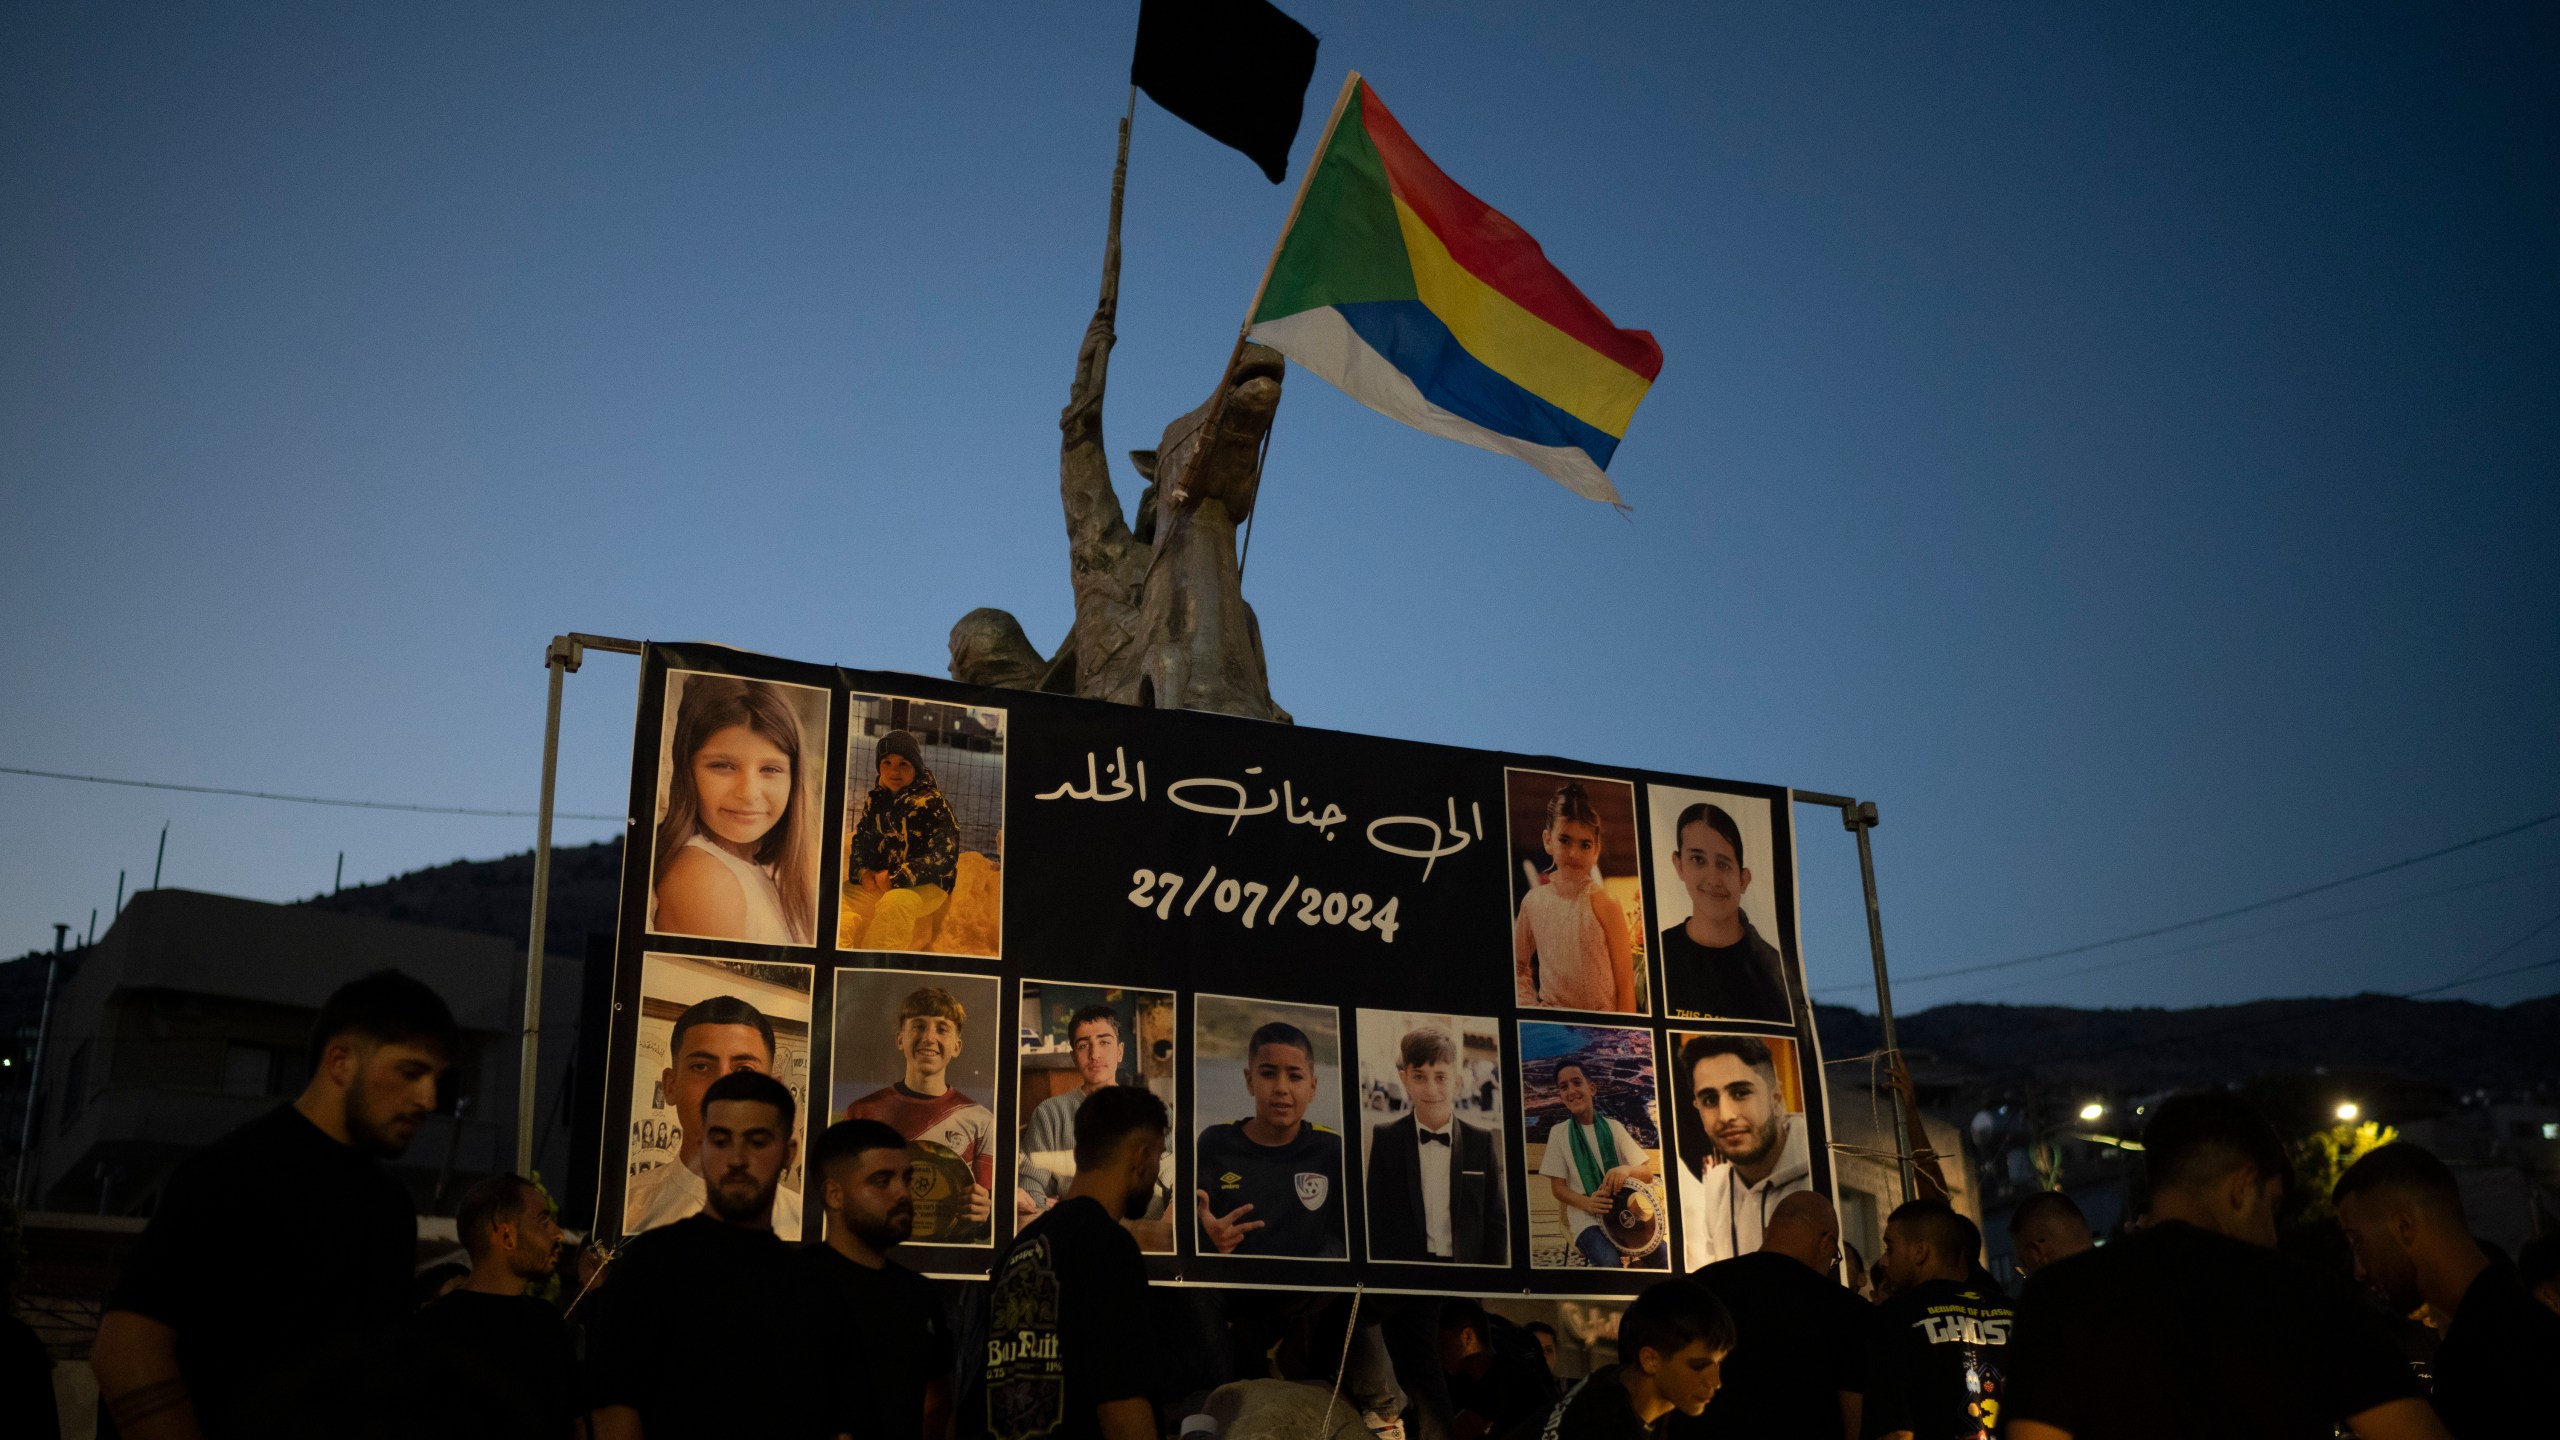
[{"x": 1306, "y": 178}]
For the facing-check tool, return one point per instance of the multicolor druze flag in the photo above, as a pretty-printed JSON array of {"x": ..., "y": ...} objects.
[{"x": 1431, "y": 307}]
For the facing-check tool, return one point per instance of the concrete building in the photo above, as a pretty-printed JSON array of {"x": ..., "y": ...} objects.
[
  {"x": 193, "y": 1014},
  {"x": 1868, "y": 1172}
]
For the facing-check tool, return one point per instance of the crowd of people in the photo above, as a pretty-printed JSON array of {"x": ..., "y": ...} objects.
[{"x": 275, "y": 1293}]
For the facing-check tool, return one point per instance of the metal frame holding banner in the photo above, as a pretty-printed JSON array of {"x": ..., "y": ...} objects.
[{"x": 1361, "y": 972}]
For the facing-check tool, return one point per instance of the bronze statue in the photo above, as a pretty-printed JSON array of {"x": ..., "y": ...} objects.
[{"x": 1160, "y": 612}]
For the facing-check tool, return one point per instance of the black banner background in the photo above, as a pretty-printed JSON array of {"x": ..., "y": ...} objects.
[{"x": 1069, "y": 870}]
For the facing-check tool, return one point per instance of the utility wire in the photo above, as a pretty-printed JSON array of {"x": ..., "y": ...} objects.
[
  {"x": 2357, "y": 1003},
  {"x": 2476, "y": 979},
  {"x": 2216, "y": 944},
  {"x": 301, "y": 799},
  {"x": 2493, "y": 956},
  {"x": 2175, "y": 926}
]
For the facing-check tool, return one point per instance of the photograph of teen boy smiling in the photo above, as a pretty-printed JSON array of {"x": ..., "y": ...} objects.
[{"x": 1272, "y": 1184}]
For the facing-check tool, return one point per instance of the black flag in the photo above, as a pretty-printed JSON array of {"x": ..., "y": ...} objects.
[{"x": 1237, "y": 69}]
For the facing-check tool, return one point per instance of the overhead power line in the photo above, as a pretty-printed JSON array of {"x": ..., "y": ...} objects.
[
  {"x": 301, "y": 799},
  {"x": 2237, "y": 910},
  {"x": 2216, "y": 943},
  {"x": 2356, "y": 1003},
  {"x": 2479, "y": 979}
]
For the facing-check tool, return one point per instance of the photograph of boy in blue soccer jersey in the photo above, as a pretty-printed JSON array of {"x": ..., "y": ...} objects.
[{"x": 1270, "y": 1183}]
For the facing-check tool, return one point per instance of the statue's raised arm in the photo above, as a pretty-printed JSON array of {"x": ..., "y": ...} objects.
[{"x": 1160, "y": 612}]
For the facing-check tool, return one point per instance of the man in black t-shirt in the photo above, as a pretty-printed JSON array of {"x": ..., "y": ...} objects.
[
  {"x": 2402, "y": 1212},
  {"x": 712, "y": 1327},
  {"x": 2195, "y": 1326},
  {"x": 1941, "y": 1368},
  {"x": 488, "y": 1359},
  {"x": 1805, "y": 1343},
  {"x": 1715, "y": 964},
  {"x": 859, "y": 1168},
  {"x": 1271, "y": 1184},
  {"x": 1065, "y": 1318},
  {"x": 200, "y": 1340},
  {"x": 1671, "y": 1347}
]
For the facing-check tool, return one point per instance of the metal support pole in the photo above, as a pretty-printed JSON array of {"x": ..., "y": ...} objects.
[
  {"x": 1860, "y": 816},
  {"x": 565, "y": 654},
  {"x": 559, "y": 660}
]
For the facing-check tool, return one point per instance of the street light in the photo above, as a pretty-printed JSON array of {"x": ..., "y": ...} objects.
[
  {"x": 2347, "y": 1110},
  {"x": 2092, "y": 1111}
]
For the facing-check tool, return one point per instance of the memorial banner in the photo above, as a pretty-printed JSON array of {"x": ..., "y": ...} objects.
[{"x": 1426, "y": 1018}]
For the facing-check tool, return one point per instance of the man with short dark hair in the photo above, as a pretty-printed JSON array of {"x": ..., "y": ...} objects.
[
  {"x": 1065, "y": 1316},
  {"x": 711, "y": 1326},
  {"x": 2195, "y": 1326},
  {"x": 1671, "y": 1347},
  {"x": 1495, "y": 1373},
  {"x": 718, "y": 1036},
  {"x": 490, "y": 1359},
  {"x": 187, "y": 1348},
  {"x": 1761, "y": 1155},
  {"x": 1715, "y": 965},
  {"x": 1941, "y": 1371},
  {"x": 1545, "y": 1335},
  {"x": 2045, "y": 1228},
  {"x": 2402, "y": 1211},
  {"x": 1805, "y": 1344},
  {"x": 1435, "y": 1191},
  {"x": 1276, "y": 1176},
  {"x": 859, "y": 1168}
]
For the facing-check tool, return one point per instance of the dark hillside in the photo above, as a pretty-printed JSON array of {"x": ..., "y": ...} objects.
[{"x": 495, "y": 897}]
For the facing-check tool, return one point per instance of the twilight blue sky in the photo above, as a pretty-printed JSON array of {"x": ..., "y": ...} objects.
[{"x": 2121, "y": 443}]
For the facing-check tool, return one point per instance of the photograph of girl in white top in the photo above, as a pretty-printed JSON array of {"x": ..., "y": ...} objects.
[
  {"x": 1570, "y": 948},
  {"x": 737, "y": 854}
]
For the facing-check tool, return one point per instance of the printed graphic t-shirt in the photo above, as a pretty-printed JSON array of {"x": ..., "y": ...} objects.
[
  {"x": 1066, "y": 1328},
  {"x": 1295, "y": 1189},
  {"x": 1943, "y": 1371}
]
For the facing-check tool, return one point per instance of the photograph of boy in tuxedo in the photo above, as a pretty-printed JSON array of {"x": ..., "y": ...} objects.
[{"x": 1435, "y": 1183}]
